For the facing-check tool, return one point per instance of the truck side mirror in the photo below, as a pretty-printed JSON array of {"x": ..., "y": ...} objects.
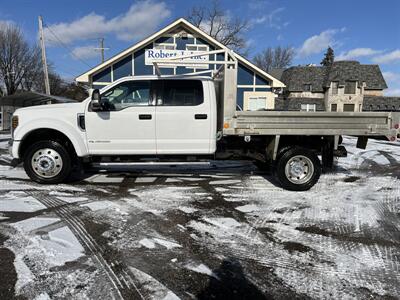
[{"x": 96, "y": 99}]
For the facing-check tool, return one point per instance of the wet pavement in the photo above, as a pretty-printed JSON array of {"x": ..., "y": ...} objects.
[{"x": 226, "y": 231}]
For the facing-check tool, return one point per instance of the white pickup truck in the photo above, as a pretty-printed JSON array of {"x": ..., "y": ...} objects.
[{"x": 183, "y": 120}]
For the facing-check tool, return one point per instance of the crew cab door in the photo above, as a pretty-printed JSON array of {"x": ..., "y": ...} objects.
[
  {"x": 183, "y": 117},
  {"x": 127, "y": 124}
]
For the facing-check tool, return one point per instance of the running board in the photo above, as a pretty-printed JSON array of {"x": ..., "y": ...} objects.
[{"x": 151, "y": 163}]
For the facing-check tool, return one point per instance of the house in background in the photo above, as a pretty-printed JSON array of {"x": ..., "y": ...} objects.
[
  {"x": 255, "y": 89},
  {"x": 345, "y": 86}
]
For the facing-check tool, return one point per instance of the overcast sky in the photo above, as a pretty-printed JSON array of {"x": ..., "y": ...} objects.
[{"x": 364, "y": 30}]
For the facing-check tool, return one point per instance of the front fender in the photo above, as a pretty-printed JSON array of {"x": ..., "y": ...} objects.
[{"x": 76, "y": 136}]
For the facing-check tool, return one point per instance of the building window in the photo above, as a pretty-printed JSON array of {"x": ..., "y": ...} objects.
[
  {"x": 350, "y": 87},
  {"x": 335, "y": 87},
  {"x": 348, "y": 107},
  {"x": 198, "y": 48},
  {"x": 378, "y": 107},
  {"x": 165, "y": 46},
  {"x": 257, "y": 103},
  {"x": 307, "y": 87},
  {"x": 333, "y": 107},
  {"x": 308, "y": 107},
  {"x": 202, "y": 48}
]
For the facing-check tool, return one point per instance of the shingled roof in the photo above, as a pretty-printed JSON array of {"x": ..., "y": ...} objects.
[
  {"x": 320, "y": 77},
  {"x": 296, "y": 77}
]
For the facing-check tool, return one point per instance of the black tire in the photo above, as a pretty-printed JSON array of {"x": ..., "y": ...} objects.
[
  {"x": 64, "y": 156},
  {"x": 312, "y": 169}
]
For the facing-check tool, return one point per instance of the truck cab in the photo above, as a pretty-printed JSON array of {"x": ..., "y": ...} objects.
[
  {"x": 143, "y": 117},
  {"x": 150, "y": 116}
]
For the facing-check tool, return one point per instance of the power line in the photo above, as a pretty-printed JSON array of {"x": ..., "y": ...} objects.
[{"x": 66, "y": 46}]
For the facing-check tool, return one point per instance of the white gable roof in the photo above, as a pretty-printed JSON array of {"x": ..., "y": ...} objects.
[{"x": 84, "y": 78}]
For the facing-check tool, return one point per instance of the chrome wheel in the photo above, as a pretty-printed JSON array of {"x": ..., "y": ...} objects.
[
  {"x": 47, "y": 163},
  {"x": 299, "y": 169}
]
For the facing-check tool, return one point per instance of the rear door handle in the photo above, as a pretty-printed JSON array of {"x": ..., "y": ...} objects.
[
  {"x": 145, "y": 117},
  {"x": 200, "y": 116}
]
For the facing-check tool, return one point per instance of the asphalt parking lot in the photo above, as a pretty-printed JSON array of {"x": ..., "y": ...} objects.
[{"x": 225, "y": 231}]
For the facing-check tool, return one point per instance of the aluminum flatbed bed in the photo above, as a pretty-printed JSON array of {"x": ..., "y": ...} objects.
[{"x": 369, "y": 124}]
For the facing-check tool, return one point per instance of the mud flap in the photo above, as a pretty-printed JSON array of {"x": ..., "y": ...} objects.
[
  {"x": 362, "y": 142},
  {"x": 15, "y": 162},
  {"x": 327, "y": 156}
]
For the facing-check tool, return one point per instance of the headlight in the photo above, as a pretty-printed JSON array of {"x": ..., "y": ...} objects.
[{"x": 14, "y": 122}]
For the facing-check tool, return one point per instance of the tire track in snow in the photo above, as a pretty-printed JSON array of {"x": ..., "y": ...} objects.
[
  {"x": 119, "y": 278},
  {"x": 381, "y": 259}
]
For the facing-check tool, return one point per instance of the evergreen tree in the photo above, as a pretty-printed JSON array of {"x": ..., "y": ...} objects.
[{"x": 329, "y": 57}]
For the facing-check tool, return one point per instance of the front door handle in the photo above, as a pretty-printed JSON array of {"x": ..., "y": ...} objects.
[
  {"x": 145, "y": 117},
  {"x": 200, "y": 116}
]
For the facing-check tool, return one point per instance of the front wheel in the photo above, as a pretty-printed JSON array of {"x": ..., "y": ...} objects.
[
  {"x": 47, "y": 162},
  {"x": 298, "y": 169}
]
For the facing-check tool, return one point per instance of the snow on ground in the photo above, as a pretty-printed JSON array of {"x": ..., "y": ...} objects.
[
  {"x": 58, "y": 246},
  {"x": 153, "y": 288},
  {"x": 19, "y": 201},
  {"x": 160, "y": 199},
  {"x": 34, "y": 223},
  {"x": 24, "y": 274},
  {"x": 100, "y": 205},
  {"x": 201, "y": 268},
  {"x": 152, "y": 242},
  {"x": 179, "y": 232}
]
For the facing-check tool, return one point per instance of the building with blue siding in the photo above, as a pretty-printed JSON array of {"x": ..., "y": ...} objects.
[{"x": 256, "y": 89}]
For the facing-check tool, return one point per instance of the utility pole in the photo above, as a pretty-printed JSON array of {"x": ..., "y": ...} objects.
[
  {"x": 44, "y": 60},
  {"x": 101, "y": 48}
]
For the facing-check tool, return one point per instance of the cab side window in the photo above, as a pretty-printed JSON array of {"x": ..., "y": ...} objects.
[
  {"x": 127, "y": 94},
  {"x": 182, "y": 93}
]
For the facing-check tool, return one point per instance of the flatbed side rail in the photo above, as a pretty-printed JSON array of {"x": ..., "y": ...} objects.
[{"x": 314, "y": 123}]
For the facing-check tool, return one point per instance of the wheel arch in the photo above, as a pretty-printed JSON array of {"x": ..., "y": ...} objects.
[{"x": 40, "y": 134}]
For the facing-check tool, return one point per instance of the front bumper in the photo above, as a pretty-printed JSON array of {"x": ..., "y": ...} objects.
[{"x": 13, "y": 148}]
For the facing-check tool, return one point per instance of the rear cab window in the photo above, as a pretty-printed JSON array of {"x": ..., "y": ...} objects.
[{"x": 180, "y": 93}]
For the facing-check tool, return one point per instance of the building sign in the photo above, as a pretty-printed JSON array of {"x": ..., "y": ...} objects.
[{"x": 155, "y": 54}]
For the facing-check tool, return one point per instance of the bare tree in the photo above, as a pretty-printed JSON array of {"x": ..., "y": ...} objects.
[
  {"x": 21, "y": 67},
  {"x": 33, "y": 79},
  {"x": 217, "y": 23},
  {"x": 17, "y": 58},
  {"x": 271, "y": 58}
]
